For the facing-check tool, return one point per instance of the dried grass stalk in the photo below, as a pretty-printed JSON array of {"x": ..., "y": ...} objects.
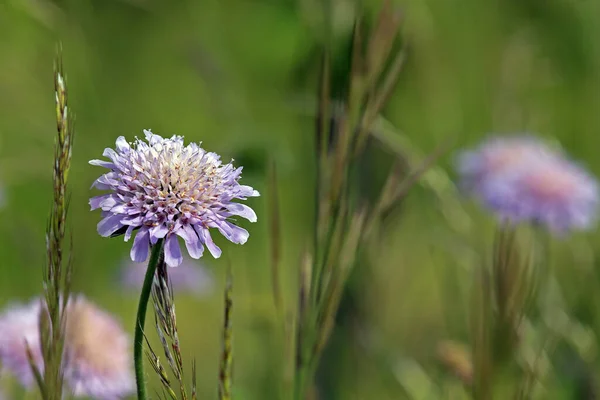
[
  {"x": 57, "y": 273},
  {"x": 225, "y": 369},
  {"x": 165, "y": 318}
]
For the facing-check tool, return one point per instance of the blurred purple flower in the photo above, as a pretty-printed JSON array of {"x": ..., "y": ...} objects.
[
  {"x": 18, "y": 329},
  {"x": 164, "y": 189},
  {"x": 521, "y": 179},
  {"x": 97, "y": 360},
  {"x": 497, "y": 156},
  {"x": 554, "y": 193},
  {"x": 189, "y": 276}
]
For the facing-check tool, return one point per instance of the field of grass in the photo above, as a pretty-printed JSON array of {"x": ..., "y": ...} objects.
[{"x": 240, "y": 76}]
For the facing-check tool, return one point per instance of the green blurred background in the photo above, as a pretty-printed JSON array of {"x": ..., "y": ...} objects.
[{"x": 239, "y": 75}]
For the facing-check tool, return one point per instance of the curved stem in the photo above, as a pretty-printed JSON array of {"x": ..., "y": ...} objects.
[{"x": 138, "y": 346}]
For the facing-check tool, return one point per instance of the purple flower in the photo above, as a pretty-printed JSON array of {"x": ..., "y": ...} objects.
[
  {"x": 188, "y": 277},
  {"x": 18, "y": 329},
  {"x": 497, "y": 156},
  {"x": 523, "y": 180},
  {"x": 163, "y": 189},
  {"x": 97, "y": 355},
  {"x": 554, "y": 193},
  {"x": 97, "y": 362}
]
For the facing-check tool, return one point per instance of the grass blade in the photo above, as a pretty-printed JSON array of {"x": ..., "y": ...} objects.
[
  {"x": 225, "y": 369},
  {"x": 275, "y": 237}
]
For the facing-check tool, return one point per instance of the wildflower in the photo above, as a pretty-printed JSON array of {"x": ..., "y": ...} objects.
[
  {"x": 97, "y": 360},
  {"x": 523, "y": 180},
  {"x": 97, "y": 357},
  {"x": 163, "y": 189},
  {"x": 554, "y": 193},
  {"x": 19, "y": 330},
  {"x": 497, "y": 156},
  {"x": 187, "y": 277}
]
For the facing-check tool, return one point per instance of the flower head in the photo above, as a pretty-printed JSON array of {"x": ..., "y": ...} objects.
[
  {"x": 189, "y": 277},
  {"x": 19, "y": 330},
  {"x": 521, "y": 179},
  {"x": 163, "y": 189},
  {"x": 555, "y": 193},
  {"x": 97, "y": 357},
  {"x": 97, "y": 361},
  {"x": 497, "y": 156}
]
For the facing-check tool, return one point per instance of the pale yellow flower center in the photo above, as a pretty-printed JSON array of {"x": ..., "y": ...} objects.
[{"x": 91, "y": 337}]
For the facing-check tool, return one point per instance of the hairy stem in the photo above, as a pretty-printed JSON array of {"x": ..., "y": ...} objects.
[{"x": 138, "y": 346}]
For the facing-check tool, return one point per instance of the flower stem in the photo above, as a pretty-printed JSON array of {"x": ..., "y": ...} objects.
[{"x": 138, "y": 346}]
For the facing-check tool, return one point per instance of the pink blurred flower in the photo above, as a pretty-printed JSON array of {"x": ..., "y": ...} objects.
[
  {"x": 97, "y": 361},
  {"x": 522, "y": 179},
  {"x": 497, "y": 156},
  {"x": 97, "y": 357},
  {"x": 554, "y": 193},
  {"x": 19, "y": 328}
]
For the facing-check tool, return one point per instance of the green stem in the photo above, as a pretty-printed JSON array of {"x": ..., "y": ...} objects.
[
  {"x": 299, "y": 385},
  {"x": 138, "y": 346}
]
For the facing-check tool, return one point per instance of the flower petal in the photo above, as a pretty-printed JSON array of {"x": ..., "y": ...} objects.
[
  {"x": 158, "y": 232},
  {"x": 173, "y": 255},
  {"x": 122, "y": 144},
  {"x": 204, "y": 235},
  {"x": 141, "y": 245},
  {"x": 119, "y": 209},
  {"x": 152, "y": 138},
  {"x": 192, "y": 242},
  {"x": 101, "y": 163},
  {"x": 248, "y": 191},
  {"x": 128, "y": 232},
  {"x": 242, "y": 210},
  {"x": 110, "y": 153},
  {"x": 233, "y": 232},
  {"x": 187, "y": 233},
  {"x": 109, "y": 225},
  {"x": 98, "y": 201},
  {"x": 106, "y": 181}
]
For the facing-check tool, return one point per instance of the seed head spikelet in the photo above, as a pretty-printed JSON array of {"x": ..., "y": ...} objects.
[
  {"x": 165, "y": 318},
  {"x": 56, "y": 279},
  {"x": 161, "y": 188}
]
